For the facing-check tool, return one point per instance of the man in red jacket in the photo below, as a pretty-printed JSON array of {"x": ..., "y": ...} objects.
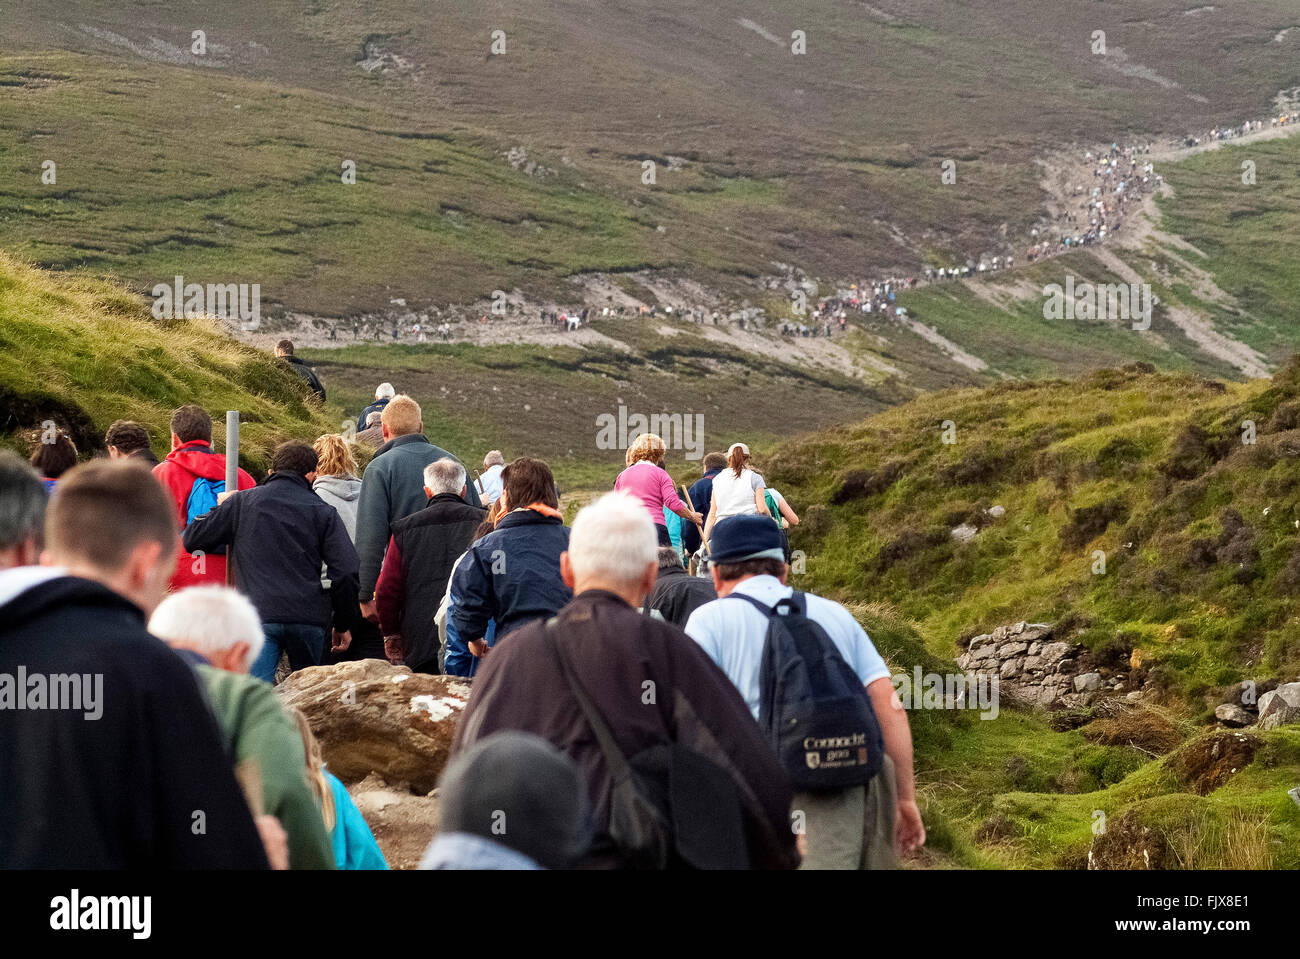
[{"x": 194, "y": 475}]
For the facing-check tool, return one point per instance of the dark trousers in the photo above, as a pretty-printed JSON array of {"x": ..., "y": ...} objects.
[{"x": 664, "y": 538}]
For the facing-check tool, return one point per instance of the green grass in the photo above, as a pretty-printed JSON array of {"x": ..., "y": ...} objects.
[{"x": 83, "y": 352}]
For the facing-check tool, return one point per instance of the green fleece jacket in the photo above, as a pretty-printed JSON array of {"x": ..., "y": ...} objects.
[{"x": 255, "y": 726}]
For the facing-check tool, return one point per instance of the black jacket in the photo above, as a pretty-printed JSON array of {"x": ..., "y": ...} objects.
[
  {"x": 677, "y": 594},
  {"x": 147, "y": 785},
  {"x": 279, "y": 535},
  {"x": 308, "y": 374},
  {"x": 417, "y": 565},
  {"x": 511, "y": 575}
]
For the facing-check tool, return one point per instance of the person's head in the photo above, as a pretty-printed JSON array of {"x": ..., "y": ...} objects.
[
  {"x": 647, "y": 446},
  {"x": 374, "y": 418},
  {"x": 401, "y": 417},
  {"x": 295, "y": 457},
  {"x": 216, "y": 622},
  {"x": 526, "y": 481},
  {"x": 669, "y": 558},
  {"x": 444, "y": 476},
  {"x": 521, "y": 781},
  {"x": 114, "y": 523},
  {"x": 190, "y": 423},
  {"x": 612, "y": 546},
  {"x": 125, "y": 437},
  {"x": 715, "y": 461},
  {"x": 53, "y": 453},
  {"x": 745, "y": 546},
  {"x": 334, "y": 456},
  {"x": 493, "y": 458},
  {"x": 284, "y": 348},
  {"x": 738, "y": 457},
  {"x": 22, "y": 512},
  {"x": 385, "y": 391}
]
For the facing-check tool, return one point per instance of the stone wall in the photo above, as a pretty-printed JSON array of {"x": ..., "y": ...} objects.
[{"x": 1035, "y": 669}]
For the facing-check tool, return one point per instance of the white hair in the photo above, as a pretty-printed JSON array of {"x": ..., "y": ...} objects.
[
  {"x": 210, "y": 619},
  {"x": 385, "y": 391},
  {"x": 494, "y": 458},
  {"x": 613, "y": 538},
  {"x": 444, "y": 476}
]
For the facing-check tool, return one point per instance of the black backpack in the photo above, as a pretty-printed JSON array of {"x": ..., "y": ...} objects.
[
  {"x": 671, "y": 808},
  {"x": 812, "y": 706}
]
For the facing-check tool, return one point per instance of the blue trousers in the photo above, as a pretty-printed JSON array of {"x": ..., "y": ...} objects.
[{"x": 305, "y": 646}]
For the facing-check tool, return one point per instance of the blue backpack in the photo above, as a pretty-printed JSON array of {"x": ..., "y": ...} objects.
[
  {"x": 203, "y": 497},
  {"x": 813, "y": 708}
]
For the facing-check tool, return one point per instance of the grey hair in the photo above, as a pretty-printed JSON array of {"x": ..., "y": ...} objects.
[
  {"x": 494, "y": 458},
  {"x": 385, "y": 391},
  {"x": 210, "y": 619},
  {"x": 669, "y": 557},
  {"x": 22, "y": 501},
  {"x": 444, "y": 476}
]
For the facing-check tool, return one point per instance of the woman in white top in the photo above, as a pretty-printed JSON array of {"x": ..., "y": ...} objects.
[{"x": 737, "y": 490}]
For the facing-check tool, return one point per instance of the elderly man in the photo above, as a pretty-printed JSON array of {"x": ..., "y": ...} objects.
[
  {"x": 147, "y": 784},
  {"x": 623, "y": 688},
  {"x": 417, "y": 564},
  {"x": 383, "y": 393},
  {"x": 859, "y": 827},
  {"x": 219, "y": 631},
  {"x": 677, "y": 594},
  {"x": 22, "y": 512},
  {"x": 489, "y": 483}
]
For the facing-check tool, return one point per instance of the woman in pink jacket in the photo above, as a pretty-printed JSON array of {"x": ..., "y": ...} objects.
[{"x": 647, "y": 480}]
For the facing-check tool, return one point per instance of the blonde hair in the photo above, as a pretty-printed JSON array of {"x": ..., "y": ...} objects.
[
  {"x": 402, "y": 416},
  {"x": 320, "y": 786},
  {"x": 335, "y": 456},
  {"x": 647, "y": 446}
]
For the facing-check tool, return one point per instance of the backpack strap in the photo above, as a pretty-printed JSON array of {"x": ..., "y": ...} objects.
[
  {"x": 794, "y": 601},
  {"x": 618, "y": 766}
]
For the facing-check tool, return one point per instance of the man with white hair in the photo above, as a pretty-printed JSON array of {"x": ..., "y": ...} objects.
[
  {"x": 418, "y": 562},
  {"x": 218, "y": 630},
  {"x": 383, "y": 393},
  {"x": 624, "y": 688},
  {"x": 489, "y": 482}
]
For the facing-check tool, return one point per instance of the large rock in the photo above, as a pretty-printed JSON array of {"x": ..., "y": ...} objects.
[
  {"x": 371, "y": 716},
  {"x": 1087, "y": 682},
  {"x": 1230, "y": 714},
  {"x": 1280, "y": 707}
]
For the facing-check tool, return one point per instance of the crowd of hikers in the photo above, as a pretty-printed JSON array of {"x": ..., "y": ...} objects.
[{"x": 648, "y": 690}]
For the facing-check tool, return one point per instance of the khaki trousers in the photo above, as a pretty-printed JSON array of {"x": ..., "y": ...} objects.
[{"x": 851, "y": 828}]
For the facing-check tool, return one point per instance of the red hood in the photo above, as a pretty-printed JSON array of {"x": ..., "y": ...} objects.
[{"x": 198, "y": 458}]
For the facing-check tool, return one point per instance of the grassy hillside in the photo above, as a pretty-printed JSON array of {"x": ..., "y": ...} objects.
[
  {"x": 1201, "y": 540},
  {"x": 84, "y": 352},
  {"x": 828, "y": 160}
]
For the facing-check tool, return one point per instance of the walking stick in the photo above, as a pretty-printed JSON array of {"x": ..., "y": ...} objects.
[{"x": 232, "y": 479}]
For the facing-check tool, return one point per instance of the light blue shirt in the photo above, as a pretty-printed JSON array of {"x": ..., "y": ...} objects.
[
  {"x": 733, "y": 633},
  {"x": 489, "y": 484}
]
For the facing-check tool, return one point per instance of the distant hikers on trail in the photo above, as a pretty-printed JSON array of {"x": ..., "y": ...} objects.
[{"x": 624, "y": 709}]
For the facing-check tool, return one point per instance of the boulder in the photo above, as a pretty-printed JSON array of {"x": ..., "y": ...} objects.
[
  {"x": 371, "y": 716},
  {"x": 1280, "y": 707},
  {"x": 1087, "y": 682},
  {"x": 1009, "y": 669},
  {"x": 1008, "y": 650},
  {"x": 997, "y": 512},
  {"x": 964, "y": 533},
  {"x": 1230, "y": 714}
]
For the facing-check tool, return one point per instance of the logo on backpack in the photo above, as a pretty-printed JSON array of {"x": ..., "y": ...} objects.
[{"x": 202, "y": 498}]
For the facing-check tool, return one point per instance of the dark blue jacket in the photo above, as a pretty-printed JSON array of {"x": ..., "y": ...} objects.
[
  {"x": 279, "y": 535},
  {"x": 365, "y": 414},
  {"x": 701, "y": 498},
  {"x": 511, "y": 575}
]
